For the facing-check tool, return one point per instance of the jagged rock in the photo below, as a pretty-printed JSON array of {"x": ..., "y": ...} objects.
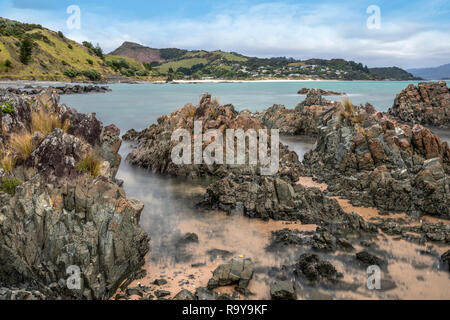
[
  {"x": 184, "y": 295},
  {"x": 316, "y": 270},
  {"x": 66, "y": 218},
  {"x": 162, "y": 293},
  {"x": 282, "y": 290},
  {"x": 428, "y": 103},
  {"x": 368, "y": 259},
  {"x": 237, "y": 271},
  {"x": 160, "y": 282},
  {"x": 154, "y": 145},
  {"x": 376, "y": 161},
  {"x": 321, "y": 239}
]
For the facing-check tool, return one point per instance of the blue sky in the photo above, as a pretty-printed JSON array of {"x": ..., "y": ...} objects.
[{"x": 412, "y": 33}]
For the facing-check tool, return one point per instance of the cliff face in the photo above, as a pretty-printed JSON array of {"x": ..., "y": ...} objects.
[
  {"x": 61, "y": 208},
  {"x": 427, "y": 103},
  {"x": 138, "y": 52}
]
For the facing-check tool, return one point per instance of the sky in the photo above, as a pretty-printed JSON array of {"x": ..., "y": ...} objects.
[{"x": 407, "y": 34}]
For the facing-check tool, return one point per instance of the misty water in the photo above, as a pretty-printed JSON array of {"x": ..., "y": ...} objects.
[{"x": 170, "y": 210}]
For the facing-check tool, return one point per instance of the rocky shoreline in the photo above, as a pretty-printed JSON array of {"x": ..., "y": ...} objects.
[
  {"x": 362, "y": 155},
  {"x": 60, "y": 90},
  {"x": 61, "y": 208}
]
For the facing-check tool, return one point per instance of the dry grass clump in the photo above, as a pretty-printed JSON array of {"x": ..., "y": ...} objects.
[
  {"x": 46, "y": 122},
  {"x": 349, "y": 111},
  {"x": 90, "y": 164},
  {"x": 22, "y": 144},
  {"x": 7, "y": 162}
]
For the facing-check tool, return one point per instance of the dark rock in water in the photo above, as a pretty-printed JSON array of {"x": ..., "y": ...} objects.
[
  {"x": 321, "y": 91},
  {"x": 198, "y": 265},
  {"x": 282, "y": 290},
  {"x": 369, "y": 259},
  {"x": 315, "y": 269},
  {"x": 428, "y": 103},
  {"x": 387, "y": 285},
  {"x": 237, "y": 271},
  {"x": 188, "y": 238},
  {"x": 185, "y": 295},
  {"x": 322, "y": 239},
  {"x": 203, "y": 293},
  {"x": 446, "y": 259},
  {"x": 218, "y": 253},
  {"x": 162, "y": 293},
  {"x": 61, "y": 90},
  {"x": 160, "y": 282},
  {"x": 135, "y": 292}
]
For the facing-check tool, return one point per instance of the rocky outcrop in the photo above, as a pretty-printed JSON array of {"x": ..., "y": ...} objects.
[
  {"x": 321, "y": 91},
  {"x": 376, "y": 161},
  {"x": 61, "y": 220},
  {"x": 316, "y": 270},
  {"x": 154, "y": 145},
  {"x": 303, "y": 120},
  {"x": 428, "y": 103},
  {"x": 67, "y": 89}
]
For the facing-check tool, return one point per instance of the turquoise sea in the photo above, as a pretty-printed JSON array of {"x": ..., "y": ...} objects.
[{"x": 138, "y": 105}]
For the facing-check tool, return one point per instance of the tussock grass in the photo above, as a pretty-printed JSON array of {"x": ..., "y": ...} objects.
[
  {"x": 90, "y": 164},
  {"x": 7, "y": 162},
  {"x": 349, "y": 111},
  {"x": 9, "y": 185},
  {"x": 46, "y": 122},
  {"x": 22, "y": 144}
]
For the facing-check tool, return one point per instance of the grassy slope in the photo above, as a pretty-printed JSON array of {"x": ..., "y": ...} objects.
[{"x": 51, "y": 58}]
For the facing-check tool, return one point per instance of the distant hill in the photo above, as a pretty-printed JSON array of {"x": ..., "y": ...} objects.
[
  {"x": 31, "y": 52},
  {"x": 436, "y": 73},
  {"x": 138, "y": 52},
  {"x": 200, "y": 64},
  {"x": 394, "y": 73}
]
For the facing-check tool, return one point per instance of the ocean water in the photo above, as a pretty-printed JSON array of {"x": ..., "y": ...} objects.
[{"x": 138, "y": 105}]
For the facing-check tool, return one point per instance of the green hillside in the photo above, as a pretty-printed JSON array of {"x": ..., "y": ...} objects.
[{"x": 31, "y": 52}]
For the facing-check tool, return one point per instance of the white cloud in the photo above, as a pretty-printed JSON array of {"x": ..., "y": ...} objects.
[{"x": 277, "y": 30}]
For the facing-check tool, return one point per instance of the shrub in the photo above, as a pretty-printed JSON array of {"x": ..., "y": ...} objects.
[
  {"x": 91, "y": 74},
  {"x": 26, "y": 50},
  {"x": 23, "y": 144},
  {"x": 9, "y": 185},
  {"x": 69, "y": 46},
  {"x": 127, "y": 72},
  {"x": 142, "y": 73},
  {"x": 60, "y": 34},
  {"x": 90, "y": 62},
  {"x": 46, "y": 122},
  {"x": 90, "y": 164},
  {"x": 7, "y": 107},
  {"x": 71, "y": 73},
  {"x": 8, "y": 64}
]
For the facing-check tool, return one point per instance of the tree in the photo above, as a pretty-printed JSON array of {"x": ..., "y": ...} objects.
[{"x": 26, "y": 50}]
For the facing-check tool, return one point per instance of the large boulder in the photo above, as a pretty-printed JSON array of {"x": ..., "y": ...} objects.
[
  {"x": 238, "y": 270},
  {"x": 428, "y": 103}
]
